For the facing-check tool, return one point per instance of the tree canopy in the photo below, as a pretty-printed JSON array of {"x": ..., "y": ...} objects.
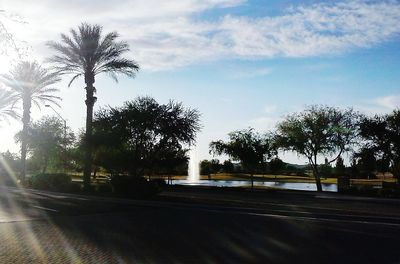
[
  {"x": 143, "y": 135},
  {"x": 248, "y": 147},
  {"x": 381, "y": 135},
  {"x": 47, "y": 142},
  {"x": 318, "y": 130}
]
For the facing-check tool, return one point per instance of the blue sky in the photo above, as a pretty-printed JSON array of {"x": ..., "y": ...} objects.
[{"x": 241, "y": 63}]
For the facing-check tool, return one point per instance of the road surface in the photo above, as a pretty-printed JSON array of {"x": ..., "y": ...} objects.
[{"x": 197, "y": 226}]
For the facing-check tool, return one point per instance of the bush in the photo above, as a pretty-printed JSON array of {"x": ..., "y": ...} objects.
[
  {"x": 51, "y": 182},
  {"x": 133, "y": 186}
]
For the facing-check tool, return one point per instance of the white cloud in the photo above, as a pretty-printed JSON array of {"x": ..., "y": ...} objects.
[
  {"x": 166, "y": 34},
  {"x": 389, "y": 102},
  {"x": 313, "y": 30},
  {"x": 264, "y": 123},
  {"x": 381, "y": 105},
  {"x": 268, "y": 119},
  {"x": 251, "y": 73},
  {"x": 270, "y": 109}
]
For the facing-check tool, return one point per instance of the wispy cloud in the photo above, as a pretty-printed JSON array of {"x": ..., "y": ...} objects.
[
  {"x": 166, "y": 34},
  {"x": 268, "y": 118},
  {"x": 381, "y": 105},
  {"x": 264, "y": 123},
  {"x": 250, "y": 73},
  {"x": 390, "y": 102}
]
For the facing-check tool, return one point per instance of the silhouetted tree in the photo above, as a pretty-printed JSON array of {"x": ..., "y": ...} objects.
[
  {"x": 228, "y": 166},
  {"x": 383, "y": 165},
  {"x": 30, "y": 83},
  {"x": 366, "y": 162},
  {"x": 340, "y": 168},
  {"x": 143, "y": 135},
  {"x": 246, "y": 146},
  {"x": 205, "y": 167},
  {"x": 325, "y": 169},
  {"x": 318, "y": 130},
  {"x": 215, "y": 166},
  {"x": 354, "y": 172},
  {"x": 381, "y": 136},
  {"x": 276, "y": 165},
  {"x": 87, "y": 53}
]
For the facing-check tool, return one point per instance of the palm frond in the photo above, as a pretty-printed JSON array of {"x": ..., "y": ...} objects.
[
  {"x": 85, "y": 50},
  {"x": 73, "y": 79},
  {"x": 7, "y": 109},
  {"x": 30, "y": 81}
]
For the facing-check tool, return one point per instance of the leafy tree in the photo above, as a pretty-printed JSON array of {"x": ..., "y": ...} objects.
[
  {"x": 205, "y": 167},
  {"x": 325, "y": 169},
  {"x": 47, "y": 142},
  {"x": 366, "y": 162},
  {"x": 88, "y": 53},
  {"x": 354, "y": 169},
  {"x": 30, "y": 83},
  {"x": 383, "y": 165},
  {"x": 215, "y": 166},
  {"x": 246, "y": 146},
  {"x": 143, "y": 135},
  {"x": 381, "y": 136},
  {"x": 340, "y": 168},
  {"x": 276, "y": 165},
  {"x": 228, "y": 166},
  {"x": 318, "y": 130}
]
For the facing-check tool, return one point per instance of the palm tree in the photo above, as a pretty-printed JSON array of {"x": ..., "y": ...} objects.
[
  {"x": 87, "y": 53},
  {"x": 30, "y": 83},
  {"x": 7, "y": 110}
]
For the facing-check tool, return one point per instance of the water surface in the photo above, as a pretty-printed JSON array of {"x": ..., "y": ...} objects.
[{"x": 303, "y": 186}]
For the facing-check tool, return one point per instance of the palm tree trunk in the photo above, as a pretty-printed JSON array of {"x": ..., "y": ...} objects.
[
  {"x": 24, "y": 140},
  {"x": 90, "y": 100}
]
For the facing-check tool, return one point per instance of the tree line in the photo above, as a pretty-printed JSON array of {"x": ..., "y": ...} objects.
[
  {"x": 321, "y": 132},
  {"x": 140, "y": 137}
]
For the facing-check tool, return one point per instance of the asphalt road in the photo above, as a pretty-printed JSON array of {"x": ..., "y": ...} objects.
[{"x": 188, "y": 225}]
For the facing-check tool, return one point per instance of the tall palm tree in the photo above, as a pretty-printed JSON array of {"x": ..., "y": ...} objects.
[
  {"x": 7, "y": 110},
  {"x": 30, "y": 83},
  {"x": 87, "y": 53}
]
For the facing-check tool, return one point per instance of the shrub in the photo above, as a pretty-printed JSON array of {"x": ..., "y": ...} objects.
[
  {"x": 133, "y": 186},
  {"x": 51, "y": 181}
]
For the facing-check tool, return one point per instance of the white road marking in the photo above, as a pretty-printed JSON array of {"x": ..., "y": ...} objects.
[{"x": 45, "y": 208}]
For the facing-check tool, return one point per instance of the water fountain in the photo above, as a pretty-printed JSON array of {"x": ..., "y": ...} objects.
[{"x": 194, "y": 168}]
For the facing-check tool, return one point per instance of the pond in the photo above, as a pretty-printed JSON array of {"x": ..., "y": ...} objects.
[{"x": 303, "y": 186}]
